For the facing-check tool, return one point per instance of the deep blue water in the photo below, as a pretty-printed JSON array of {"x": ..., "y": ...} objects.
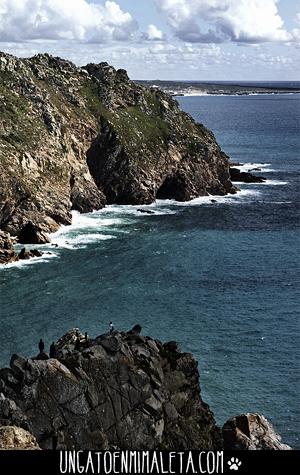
[{"x": 221, "y": 278}]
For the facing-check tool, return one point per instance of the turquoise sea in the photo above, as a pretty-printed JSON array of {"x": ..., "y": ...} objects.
[{"x": 221, "y": 278}]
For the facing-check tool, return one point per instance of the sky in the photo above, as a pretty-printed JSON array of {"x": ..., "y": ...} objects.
[{"x": 161, "y": 39}]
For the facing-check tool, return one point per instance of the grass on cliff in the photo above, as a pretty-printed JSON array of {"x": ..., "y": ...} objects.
[
  {"x": 139, "y": 130},
  {"x": 17, "y": 126},
  {"x": 90, "y": 93}
]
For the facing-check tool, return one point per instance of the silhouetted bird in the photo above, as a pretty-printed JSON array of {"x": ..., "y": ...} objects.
[
  {"x": 52, "y": 351},
  {"x": 111, "y": 327},
  {"x": 41, "y": 345}
]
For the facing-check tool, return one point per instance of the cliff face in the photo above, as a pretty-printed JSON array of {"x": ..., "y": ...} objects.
[
  {"x": 121, "y": 390},
  {"x": 76, "y": 138}
]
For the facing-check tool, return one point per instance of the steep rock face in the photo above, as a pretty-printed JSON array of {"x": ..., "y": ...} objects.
[
  {"x": 44, "y": 136},
  {"x": 74, "y": 138},
  {"x": 147, "y": 147},
  {"x": 251, "y": 432},
  {"x": 120, "y": 390}
]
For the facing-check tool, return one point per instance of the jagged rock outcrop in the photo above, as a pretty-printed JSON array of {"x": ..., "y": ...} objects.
[
  {"x": 16, "y": 438},
  {"x": 118, "y": 390},
  {"x": 25, "y": 254},
  {"x": 251, "y": 432},
  {"x": 76, "y": 138},
  {"x": 7, "y": 251},
  {"x": 245, "y": 177}
]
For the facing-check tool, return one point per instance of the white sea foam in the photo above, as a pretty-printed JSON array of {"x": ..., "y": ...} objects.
[
  {"x": 206, "y": 93},
  {"x": 34, "y": 260},
  {"x": 211, "y": 199},
  {"x": 252, "y": 166},
  {"x": 275, "y": 182},
  {"x": 112, "y": 221},
  {"x": 152, "y": 209}
]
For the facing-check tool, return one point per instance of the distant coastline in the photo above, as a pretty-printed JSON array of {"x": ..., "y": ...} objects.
[{"x": 223, "y": 88}]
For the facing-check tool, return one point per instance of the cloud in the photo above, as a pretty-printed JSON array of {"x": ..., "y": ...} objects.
[
  {"x": 153, "y": 34},
  {"x": 206, "y": 21},
  {"x": 64, "y": 19},
  {"x": 296, "y": 31}
]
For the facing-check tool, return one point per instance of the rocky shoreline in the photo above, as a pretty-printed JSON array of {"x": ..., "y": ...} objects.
[
  {"x": 118, "y": 390},
  {"x": 80, "y": 138}
]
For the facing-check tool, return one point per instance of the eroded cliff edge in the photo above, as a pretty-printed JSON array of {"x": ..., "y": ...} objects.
[{"x": 78, "y": 138}]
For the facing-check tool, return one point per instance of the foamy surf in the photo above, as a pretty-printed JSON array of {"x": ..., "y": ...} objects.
[
  {"x": 116, "y": 220},
  {"x": 275, "y": 182},
  {"x": 212, "y": 199},
  {"x": 34, "y": 260},
  {"x": 255, "y": 167}
]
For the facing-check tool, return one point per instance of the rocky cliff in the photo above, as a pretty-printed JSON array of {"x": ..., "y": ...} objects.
[
  {"x": 78, "y": 138},
  {"x": 119, "y": 390}
]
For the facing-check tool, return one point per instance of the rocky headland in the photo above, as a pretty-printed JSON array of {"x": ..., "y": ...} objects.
[
  {"x": 118, "y": 390},
  {"x": 77, "y": 138}
]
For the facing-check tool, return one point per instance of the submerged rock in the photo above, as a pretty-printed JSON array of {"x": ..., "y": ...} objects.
[{"x": 251, "y": 432}]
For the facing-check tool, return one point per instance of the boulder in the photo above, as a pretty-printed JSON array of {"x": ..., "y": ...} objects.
[
  {"x": 245, "y": 177},
  {"x": 25, "y": 254},
  {"x": 16, "y": 438},
  {"x": 251, "y": 432},
  {"x": 136, "y": 330}
]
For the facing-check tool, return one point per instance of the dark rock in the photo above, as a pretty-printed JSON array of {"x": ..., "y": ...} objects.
[
  {"x": 245, "y": 177},
  {"x": 42, "y": 356},
  {"x": 136, "y": 330},
  {"x": 145, "y": 211},
  {"x": 110, "y": 343},
  {"x": 122, "y": 74},
  {"x": 251, "y": 432},
  {"x": 36, "y": 253},
  {"x": 25, "y": 254},
  {"x": 97, "y": 398},
  {"x": 33, "y": 233},
  {"x": 171, "y": 346}
]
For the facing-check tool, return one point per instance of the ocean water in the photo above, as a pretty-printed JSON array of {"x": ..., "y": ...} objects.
[{"x": 221, "y": 278}]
